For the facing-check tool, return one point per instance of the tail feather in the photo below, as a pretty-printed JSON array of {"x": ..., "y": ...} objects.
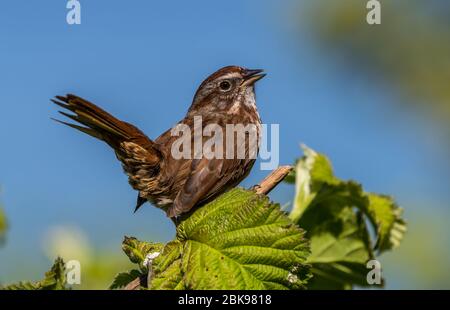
[
  {"x": 94, "y": 117},
  {"x": 140, "y": 156},
  {"x": 101, "y": 125},
  {"x": 86, "y": 130}
]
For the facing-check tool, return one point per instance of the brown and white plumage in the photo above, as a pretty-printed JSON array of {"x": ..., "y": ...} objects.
[{"x": 176, "y": 185}]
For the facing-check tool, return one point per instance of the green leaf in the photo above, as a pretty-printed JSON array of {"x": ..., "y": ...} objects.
[
  {"x": 334, "y": 212},
  {"x": 385, "y": 215},
  {"x": 3, "y": 225},
  {"x": 238, "y": 241},
  {"x": 137, "y": 250},
  {"x": 23, "y": 286},
  {"x": 167, "y": 268},
  {"x": 122, "y": 279},
  {"x": 339, "y": 246},
  {"x": 55, "y": 279}
]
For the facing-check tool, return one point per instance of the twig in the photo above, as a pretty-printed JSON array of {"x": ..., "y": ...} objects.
[
  {"x": 272, "y": 180},
  {"x": 134, "y": 285},
  {"x": 263, "y": 188}
]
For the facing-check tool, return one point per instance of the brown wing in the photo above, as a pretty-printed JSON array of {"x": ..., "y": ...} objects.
[
  {"x": 203, "y": 177},
  {"x": 207, "y": 179}
]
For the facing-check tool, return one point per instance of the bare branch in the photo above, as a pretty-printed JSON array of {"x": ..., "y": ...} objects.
[
  {"x": 134, "y": 285},
  {"x": 272, "y": 180}
]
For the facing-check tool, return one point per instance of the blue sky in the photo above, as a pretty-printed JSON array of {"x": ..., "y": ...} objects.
[{"x": 143, "y": 63}]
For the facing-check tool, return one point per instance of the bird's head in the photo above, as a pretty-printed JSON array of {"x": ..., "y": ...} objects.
[{"x": 225, "y": 90}]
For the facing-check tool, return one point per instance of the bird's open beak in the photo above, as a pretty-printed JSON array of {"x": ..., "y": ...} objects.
[{"x": 251, "y": 76}]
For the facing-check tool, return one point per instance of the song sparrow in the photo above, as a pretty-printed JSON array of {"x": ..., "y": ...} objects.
[{"x": 177, "y": 185}]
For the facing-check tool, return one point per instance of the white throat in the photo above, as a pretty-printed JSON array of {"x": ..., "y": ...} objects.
[{"x": 247, "y": 97}]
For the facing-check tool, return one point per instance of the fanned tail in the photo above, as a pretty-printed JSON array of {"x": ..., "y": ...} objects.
[
  {"x": 99, "y": 123},
  {"x": 140, "y": 156}
]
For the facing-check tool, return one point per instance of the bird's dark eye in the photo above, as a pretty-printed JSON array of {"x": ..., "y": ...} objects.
[{"x": 225, "y": 85}]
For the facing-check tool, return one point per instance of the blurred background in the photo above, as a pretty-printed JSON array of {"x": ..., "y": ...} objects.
[{"x": 374, "y": 98}]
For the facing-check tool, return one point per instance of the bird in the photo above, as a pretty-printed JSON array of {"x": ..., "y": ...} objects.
[{"x": 177, "y": 185}]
